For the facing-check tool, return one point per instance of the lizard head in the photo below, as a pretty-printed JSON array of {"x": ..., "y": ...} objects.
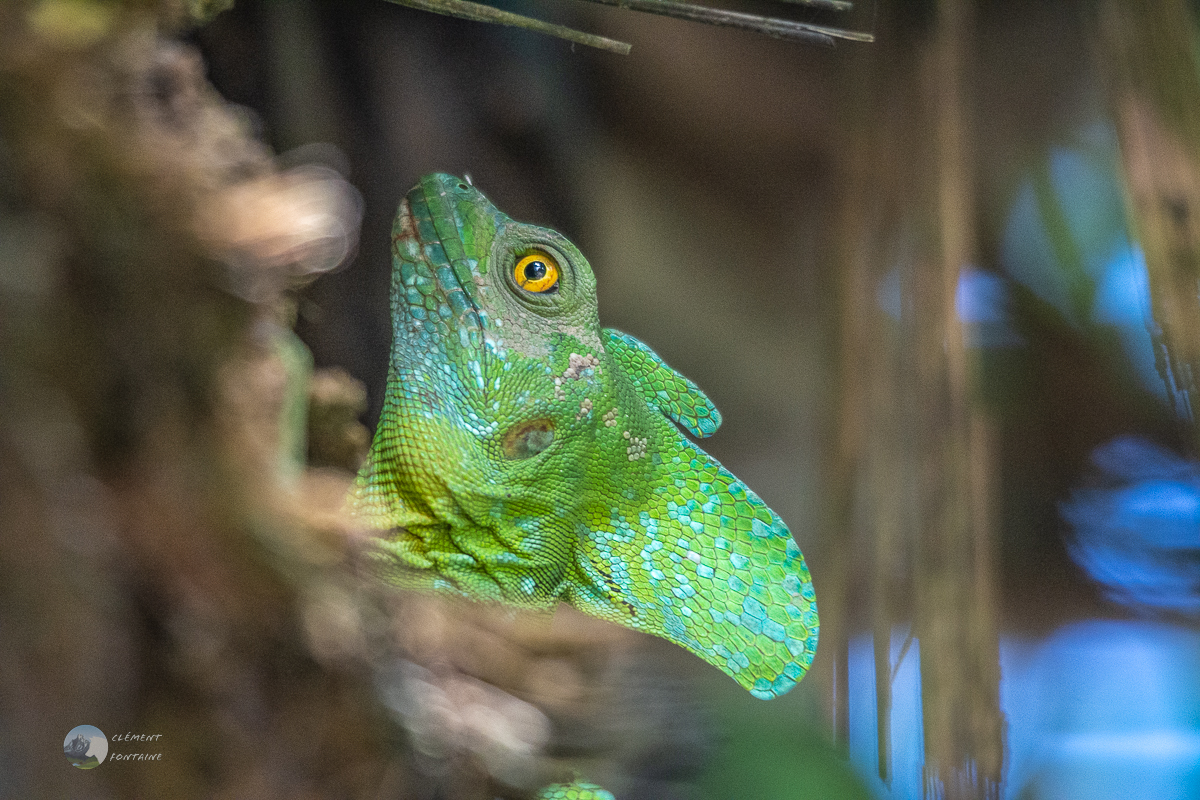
[
  {"x": 484, "y": 307},
  {"x": 471, "y": 284},
  {"x": 494, "y": 369}
]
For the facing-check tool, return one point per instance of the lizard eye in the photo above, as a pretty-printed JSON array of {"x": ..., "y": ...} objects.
[{"x": 537, "y": 273}]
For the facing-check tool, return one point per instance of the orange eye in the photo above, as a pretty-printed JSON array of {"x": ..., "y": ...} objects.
[{"x": 537, "y": 272}]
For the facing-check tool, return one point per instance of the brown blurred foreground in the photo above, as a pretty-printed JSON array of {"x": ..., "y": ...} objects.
[{"x": 168, "y": 563}]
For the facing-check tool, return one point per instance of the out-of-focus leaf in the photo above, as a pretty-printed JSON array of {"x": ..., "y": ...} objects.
[{"x": 203, "y": 10}]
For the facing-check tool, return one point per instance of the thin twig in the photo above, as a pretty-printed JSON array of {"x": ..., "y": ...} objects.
[
  {"x": 478, "y": 12},
  {"x": 828, "y": 5},
  {"x": 771, "y": 26},
  {"x": 908, "y": 640}
]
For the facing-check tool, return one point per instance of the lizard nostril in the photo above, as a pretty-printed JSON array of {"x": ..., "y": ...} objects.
[{"x": 528, "y": 439}]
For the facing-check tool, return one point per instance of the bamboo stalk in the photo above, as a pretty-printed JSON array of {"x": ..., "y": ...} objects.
[
  {"x": 1146, "y": 47},
  {"x": 915, "y": 452},
  {"x": 956, "y": 622}
]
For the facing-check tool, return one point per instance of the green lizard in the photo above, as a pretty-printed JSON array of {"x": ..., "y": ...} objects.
[{"x": 525, "y": 455}]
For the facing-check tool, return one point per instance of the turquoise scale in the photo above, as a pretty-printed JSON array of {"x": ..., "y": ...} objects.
[{"x": 576, "y": 790}]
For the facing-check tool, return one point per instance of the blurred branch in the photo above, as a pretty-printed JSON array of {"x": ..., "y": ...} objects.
[
  {"x": 914, "y": 460},
  {"x": 956, "y": 615},
  {"x": 1147, "y": 48}
]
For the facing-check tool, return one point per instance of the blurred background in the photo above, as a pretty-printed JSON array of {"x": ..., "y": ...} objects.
[{"x": 942, "y": 286}]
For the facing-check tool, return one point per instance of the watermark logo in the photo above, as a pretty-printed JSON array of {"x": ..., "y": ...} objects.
[
  {"x": 136, "y": 737},
  {"x": 85, "y": 746}
]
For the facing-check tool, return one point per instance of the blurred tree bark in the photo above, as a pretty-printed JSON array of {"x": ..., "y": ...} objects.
[
  {"x": 1147, "y": 50},
  {"x": 914, "y": 462},
  {"x": 158, "y": 555}
]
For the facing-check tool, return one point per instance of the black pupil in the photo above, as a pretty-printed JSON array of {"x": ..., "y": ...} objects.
[{"x": 535, "y": 271}]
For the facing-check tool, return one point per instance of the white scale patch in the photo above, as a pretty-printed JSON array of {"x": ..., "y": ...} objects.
[
  {"x": 637, "y": 446},
  {"x": 580, "y": 363},
  {"x": 577, "y": 369}
]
